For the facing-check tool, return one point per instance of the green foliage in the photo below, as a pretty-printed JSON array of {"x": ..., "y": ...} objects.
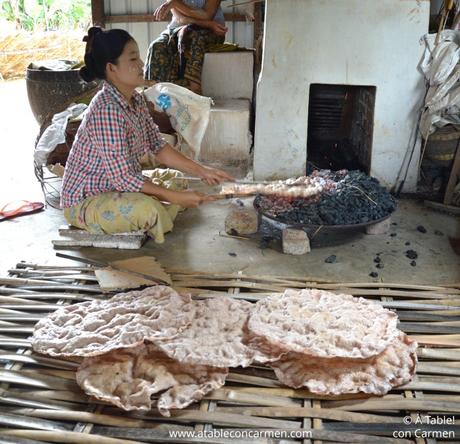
[{"x": 46, "y": 15}]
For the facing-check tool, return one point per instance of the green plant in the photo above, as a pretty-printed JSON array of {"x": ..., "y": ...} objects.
[{"x": 37, "y": 15}]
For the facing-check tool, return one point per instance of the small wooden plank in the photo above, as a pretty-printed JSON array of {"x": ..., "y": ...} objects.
[
  {"x": 413, "y": 315},
  {"x": 442, "y": 207},
  {"x": 403, "y": 404},
  {"x": 10, "y": 420},
  {"x": 283, "y": 391},
  {"x": 65, "y": 437},
  {"x": 163, "y": 436},
  {"x": 239, "y": 397},
  {"x": 439, "y": 368},
  {"x": 451, "y": 354},
  {"x": 83, "y": 416},
  {"x": 40, "y": 381},
  {"x": 419, "y": 327},
  {"x": 122, "y": 244},
  {"x": 303, "y": 412},
  {"x": 227, "y": 419},
  {"x": 437, "y": 340}
]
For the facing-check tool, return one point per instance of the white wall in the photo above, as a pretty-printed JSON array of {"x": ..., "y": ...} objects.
[
  {"x": 350, "y": 42},
  {"x": 238, "y": 32}
]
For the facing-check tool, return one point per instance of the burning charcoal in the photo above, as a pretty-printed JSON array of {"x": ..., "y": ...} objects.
[
  {"x": 347, "y": 199},
  {"x": 421, "y": 228},
  {"x": 411, "y": 254},
  {"x": 438, "y": 233},
  {"x": 413, "y": 263},
  {"x": 331, "y": 259},
  {"x": 373, "y": 274}
]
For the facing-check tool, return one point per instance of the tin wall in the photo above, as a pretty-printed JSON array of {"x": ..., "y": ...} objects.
[{"x": 241, "y": 33}]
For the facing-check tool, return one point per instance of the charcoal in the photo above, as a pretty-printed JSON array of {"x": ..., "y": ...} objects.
[
  {"x": 379, "y": 265},
  {"x": 232, "y": 254},
  {"x": 411, "y": 254},
  {"x": 413, "y": 263},
  {"x": 438, "y": 233},
  {"x": 407, "y": 243},
  {"x": 331, "y": 259},
  {"x": 349, "y": 198},
  {"x": 373, "y": 274},
  {"x": 421, "y": 228},
  {"x": 377, "y": 260},
  {"x": 392, "y": 234}
]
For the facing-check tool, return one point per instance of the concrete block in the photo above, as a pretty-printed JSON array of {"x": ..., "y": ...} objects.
[
  {"x": 295, "y": 241},
  {"x": 228, "y": 75},
  {"x": 241, "y": 220},
  {"x": 227, "y": 139},
  {"x": 379, "y": 228}
]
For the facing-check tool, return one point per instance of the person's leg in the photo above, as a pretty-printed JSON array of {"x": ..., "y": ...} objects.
[
  {"x": 123, "y": 213},
  {"x": 160, "y": 62},
  {"x": 196, "y": 42}
]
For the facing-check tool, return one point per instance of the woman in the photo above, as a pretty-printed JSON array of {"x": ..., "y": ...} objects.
[
  {"x": 103, "y": 189},
  {"x": 177, "y": 55}
]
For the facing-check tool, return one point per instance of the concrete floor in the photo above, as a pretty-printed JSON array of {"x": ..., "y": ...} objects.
[{"x": 196, "y": 243}]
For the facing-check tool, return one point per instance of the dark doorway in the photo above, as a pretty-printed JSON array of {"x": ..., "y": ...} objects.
[{"x": 340, "y": 126}]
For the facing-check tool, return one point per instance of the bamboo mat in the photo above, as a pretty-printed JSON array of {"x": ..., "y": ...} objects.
[{"x": 40, "y": 401}]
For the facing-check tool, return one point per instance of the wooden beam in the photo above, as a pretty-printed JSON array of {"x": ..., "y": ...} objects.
[
  {"x": 97, "y": 13},
  {"x": 143, "y": 18}
]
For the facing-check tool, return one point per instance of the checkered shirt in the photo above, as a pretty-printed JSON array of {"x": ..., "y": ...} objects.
[{"x": 108, "y": 147}]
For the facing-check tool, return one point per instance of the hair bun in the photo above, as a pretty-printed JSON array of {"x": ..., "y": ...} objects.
[
  {"x": 89, "y": 38},
  {"x": 86, "y": 74}
]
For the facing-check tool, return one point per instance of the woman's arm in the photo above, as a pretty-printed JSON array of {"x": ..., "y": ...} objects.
[
  {"x": 189, "y": 199},
  {"x": 172, "y": 158},
  {"x": 215, "y": 27},
  {"x": 186, "y": 199},
  {"x": 207, "y": 13}
]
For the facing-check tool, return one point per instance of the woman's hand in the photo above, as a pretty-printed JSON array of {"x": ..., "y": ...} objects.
[
  {"x": 217, "y": 28},
  {"x": 190, "y": 198},
  {"x": 213, "y": 176},
  {"x": 162, "y": 11}
]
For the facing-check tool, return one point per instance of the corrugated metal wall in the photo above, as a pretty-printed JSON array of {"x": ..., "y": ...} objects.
[{"x": 238, "y": 32}]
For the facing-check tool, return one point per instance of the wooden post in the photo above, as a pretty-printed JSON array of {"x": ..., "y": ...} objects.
[
  {"x": 258, "y": 38},
  {"x": 97, "y": 13}
]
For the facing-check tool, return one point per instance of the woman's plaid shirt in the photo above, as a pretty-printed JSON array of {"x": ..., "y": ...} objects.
[{"x": 108, "y": 147}]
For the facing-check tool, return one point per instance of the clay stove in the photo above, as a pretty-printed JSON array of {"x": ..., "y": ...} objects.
[{"x": 363, "y": 52}]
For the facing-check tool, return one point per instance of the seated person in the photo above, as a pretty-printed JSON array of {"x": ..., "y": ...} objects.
[
  {"x": 103, "y": 189},
  {"x": 177, "y": 55}
]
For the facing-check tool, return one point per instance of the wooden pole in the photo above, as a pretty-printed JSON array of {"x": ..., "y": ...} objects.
[{"x": 97, "y": 13}]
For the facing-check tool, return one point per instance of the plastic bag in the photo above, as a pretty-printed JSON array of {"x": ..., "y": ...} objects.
[
  {"x": 188, "y": 112},
  {"x": 55, "y": 133}
]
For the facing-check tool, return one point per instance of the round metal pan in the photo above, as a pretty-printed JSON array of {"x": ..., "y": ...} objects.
[{"x": 311, "y": 227}]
